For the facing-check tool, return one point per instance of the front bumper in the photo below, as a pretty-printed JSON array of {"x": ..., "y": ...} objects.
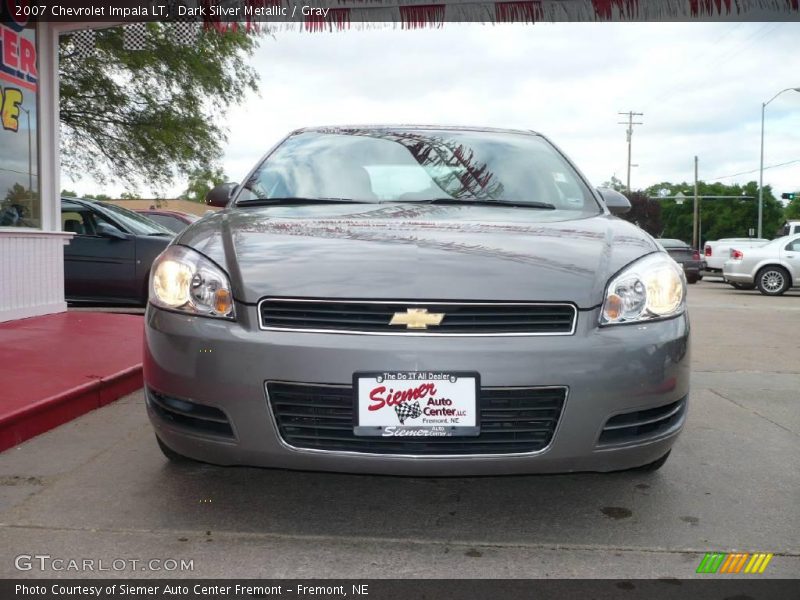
[{"x": 608, "y": 372}]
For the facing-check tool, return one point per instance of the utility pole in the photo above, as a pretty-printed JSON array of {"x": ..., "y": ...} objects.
[
  {"x": 696, "y": 219},
  {"x": 630, "y": 123}
]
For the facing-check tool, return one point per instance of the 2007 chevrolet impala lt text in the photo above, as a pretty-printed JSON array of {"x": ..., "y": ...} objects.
[{"x": 417, "y": 300}]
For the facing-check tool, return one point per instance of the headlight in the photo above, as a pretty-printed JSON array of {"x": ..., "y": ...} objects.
[
  {"x": 653, "y": 287},
  {"x": 184, "y": 280}
]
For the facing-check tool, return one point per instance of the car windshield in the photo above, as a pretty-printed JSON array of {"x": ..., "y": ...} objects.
[
  {"x": 134, "y": 222},
  {"x": 408, "y": 165}
]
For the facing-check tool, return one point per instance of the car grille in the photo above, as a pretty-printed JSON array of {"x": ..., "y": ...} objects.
[
  {"x": 320, "y": 417},
  {"x": 190, "y": 415},
  {"x": 373, "y": 317},
  {"x": 643, "y": 424}
]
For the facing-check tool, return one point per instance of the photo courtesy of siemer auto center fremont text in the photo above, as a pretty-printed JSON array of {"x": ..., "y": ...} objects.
[{"x": 400, "y": 299}]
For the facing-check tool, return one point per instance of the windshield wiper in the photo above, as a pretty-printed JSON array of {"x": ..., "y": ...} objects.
[
  {"x": 297, "y": 201},
  {"x": 479, "y": 202}
]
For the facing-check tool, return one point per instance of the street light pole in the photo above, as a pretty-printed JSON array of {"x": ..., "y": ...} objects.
[
  {"x": 761, "y": 168},
  {"x": 695, "y": 219}
]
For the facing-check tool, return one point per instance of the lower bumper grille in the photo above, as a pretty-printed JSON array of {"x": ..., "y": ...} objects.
[
  {"x": 643, "y": 424},
  {"x": 321, "y": 417},
  {"x": 190, "y": 415}
]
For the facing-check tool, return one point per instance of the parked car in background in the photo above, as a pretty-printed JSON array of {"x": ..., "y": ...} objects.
[
  {"x": 685, "y": 256},
  {"x": 174, "y": 220},
  {"x": 717, "y": 252},
  {"x": 109, "y": 257},
  {"x": 789, "y": 228},
  {"x": 418, "y": 301},
  {"x": 773, "y": 268}
]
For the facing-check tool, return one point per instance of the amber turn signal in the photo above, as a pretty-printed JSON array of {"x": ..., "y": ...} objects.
[{"x": 223, "y": 302}]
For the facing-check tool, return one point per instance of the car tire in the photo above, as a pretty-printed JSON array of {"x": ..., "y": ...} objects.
[
  {"x": 773, "y": 281},
  {"x": 173, "y": 456},
  {"x": 655, "y": 465},
  {"x": 692, "y": 279}
]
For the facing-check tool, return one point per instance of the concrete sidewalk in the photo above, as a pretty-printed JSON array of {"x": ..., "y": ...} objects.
[{"x": 57, "y": 367}]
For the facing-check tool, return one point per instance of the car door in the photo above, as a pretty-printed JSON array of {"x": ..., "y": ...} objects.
[
  {"x": 791, "y": 254},
  {"x": 97, "y": 267}
]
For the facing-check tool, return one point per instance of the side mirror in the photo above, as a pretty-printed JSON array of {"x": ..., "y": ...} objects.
[
  {"x": 221, "y": 195},
  {"x": 615, "y": 202},
  {"x": 109, "y": 231}
]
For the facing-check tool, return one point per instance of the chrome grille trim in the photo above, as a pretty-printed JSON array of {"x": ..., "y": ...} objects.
[{"x": 416, "y": 304}]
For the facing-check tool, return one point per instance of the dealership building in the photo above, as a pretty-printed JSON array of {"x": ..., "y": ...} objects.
[{"x": 31, "y": 237}]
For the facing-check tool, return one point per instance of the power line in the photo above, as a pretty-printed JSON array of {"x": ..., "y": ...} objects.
[
  {"x": 629, "y": 135},
  {"x": 791, "y": 162}
]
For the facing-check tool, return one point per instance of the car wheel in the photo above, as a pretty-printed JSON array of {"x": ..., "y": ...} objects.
[
  {"x": 772, "y": 281},
  {"x": 655, "y": 465},
  {"x": 171, "y": 454},
  {"x": 692, "y": 279},
  {"x": 743, "y": 286}
]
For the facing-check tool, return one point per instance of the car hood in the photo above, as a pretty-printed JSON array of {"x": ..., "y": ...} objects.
[{"x": 417, "y": 252}]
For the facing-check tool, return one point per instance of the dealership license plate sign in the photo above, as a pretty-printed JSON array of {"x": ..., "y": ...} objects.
[{"x": 416, "y": 404}]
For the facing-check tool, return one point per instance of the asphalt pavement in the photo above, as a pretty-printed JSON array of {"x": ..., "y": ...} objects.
[{"x": 98, "y": 489}]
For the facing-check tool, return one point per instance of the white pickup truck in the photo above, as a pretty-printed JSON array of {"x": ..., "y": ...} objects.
[
  {"x": 717, "y": 252},
  {"x": 789, "y": 228}
]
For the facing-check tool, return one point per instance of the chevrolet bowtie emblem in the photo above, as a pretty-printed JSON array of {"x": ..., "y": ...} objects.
[{"x": 416, "y": 318}]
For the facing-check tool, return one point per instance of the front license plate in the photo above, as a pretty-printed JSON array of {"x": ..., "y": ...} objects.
[{"x": 416, "y": 403}]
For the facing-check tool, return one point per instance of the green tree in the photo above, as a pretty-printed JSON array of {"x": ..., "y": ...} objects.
[
  {"x": 151, "y": 114},
  {"x": 614, "y": 183},
  {"x": 17, "y": 193},
  {"x": 201, "y": 181},
  {"x": 792, "y": 210},
  {"x": 719, "y": 217},
  {"x": 68, "y": 194}
]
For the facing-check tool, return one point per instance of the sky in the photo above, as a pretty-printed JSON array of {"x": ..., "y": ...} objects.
[{"x": 699, "y": 85}]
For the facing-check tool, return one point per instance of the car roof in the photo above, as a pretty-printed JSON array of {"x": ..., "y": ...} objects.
[
  {"x": 383, "y": 127},
  {"x": 672, "y": 242},
  {"x": 83, "y": 202},
  {"x": 161, "y": 211}
]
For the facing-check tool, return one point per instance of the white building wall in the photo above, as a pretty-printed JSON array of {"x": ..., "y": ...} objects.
[
  {"x": 32, "y": 260},
  {"x": 31, "y": 273}
]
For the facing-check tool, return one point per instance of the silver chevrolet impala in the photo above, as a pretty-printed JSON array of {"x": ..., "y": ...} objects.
[{"x": 417, "y": 300}]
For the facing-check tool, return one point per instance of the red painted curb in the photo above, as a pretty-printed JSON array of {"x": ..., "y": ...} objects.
[{"x": 45, "y": 414}]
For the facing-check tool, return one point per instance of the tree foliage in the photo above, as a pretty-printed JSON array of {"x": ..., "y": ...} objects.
[
  {"x": 645, "y": 213},
  {"x": 150, "y": 114},
  {"x": 614, "y": 184},
  {"x": 719, "y": 218},
  {"x": 792, "y": 210},
  {"x": 17, "y": 193},
  {"x": 202, "y": 181}
]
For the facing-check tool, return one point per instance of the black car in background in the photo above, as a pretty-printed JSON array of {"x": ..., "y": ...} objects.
[
  {"x": 685, "y": 256},
  {"x": 109, "y": 258}
]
